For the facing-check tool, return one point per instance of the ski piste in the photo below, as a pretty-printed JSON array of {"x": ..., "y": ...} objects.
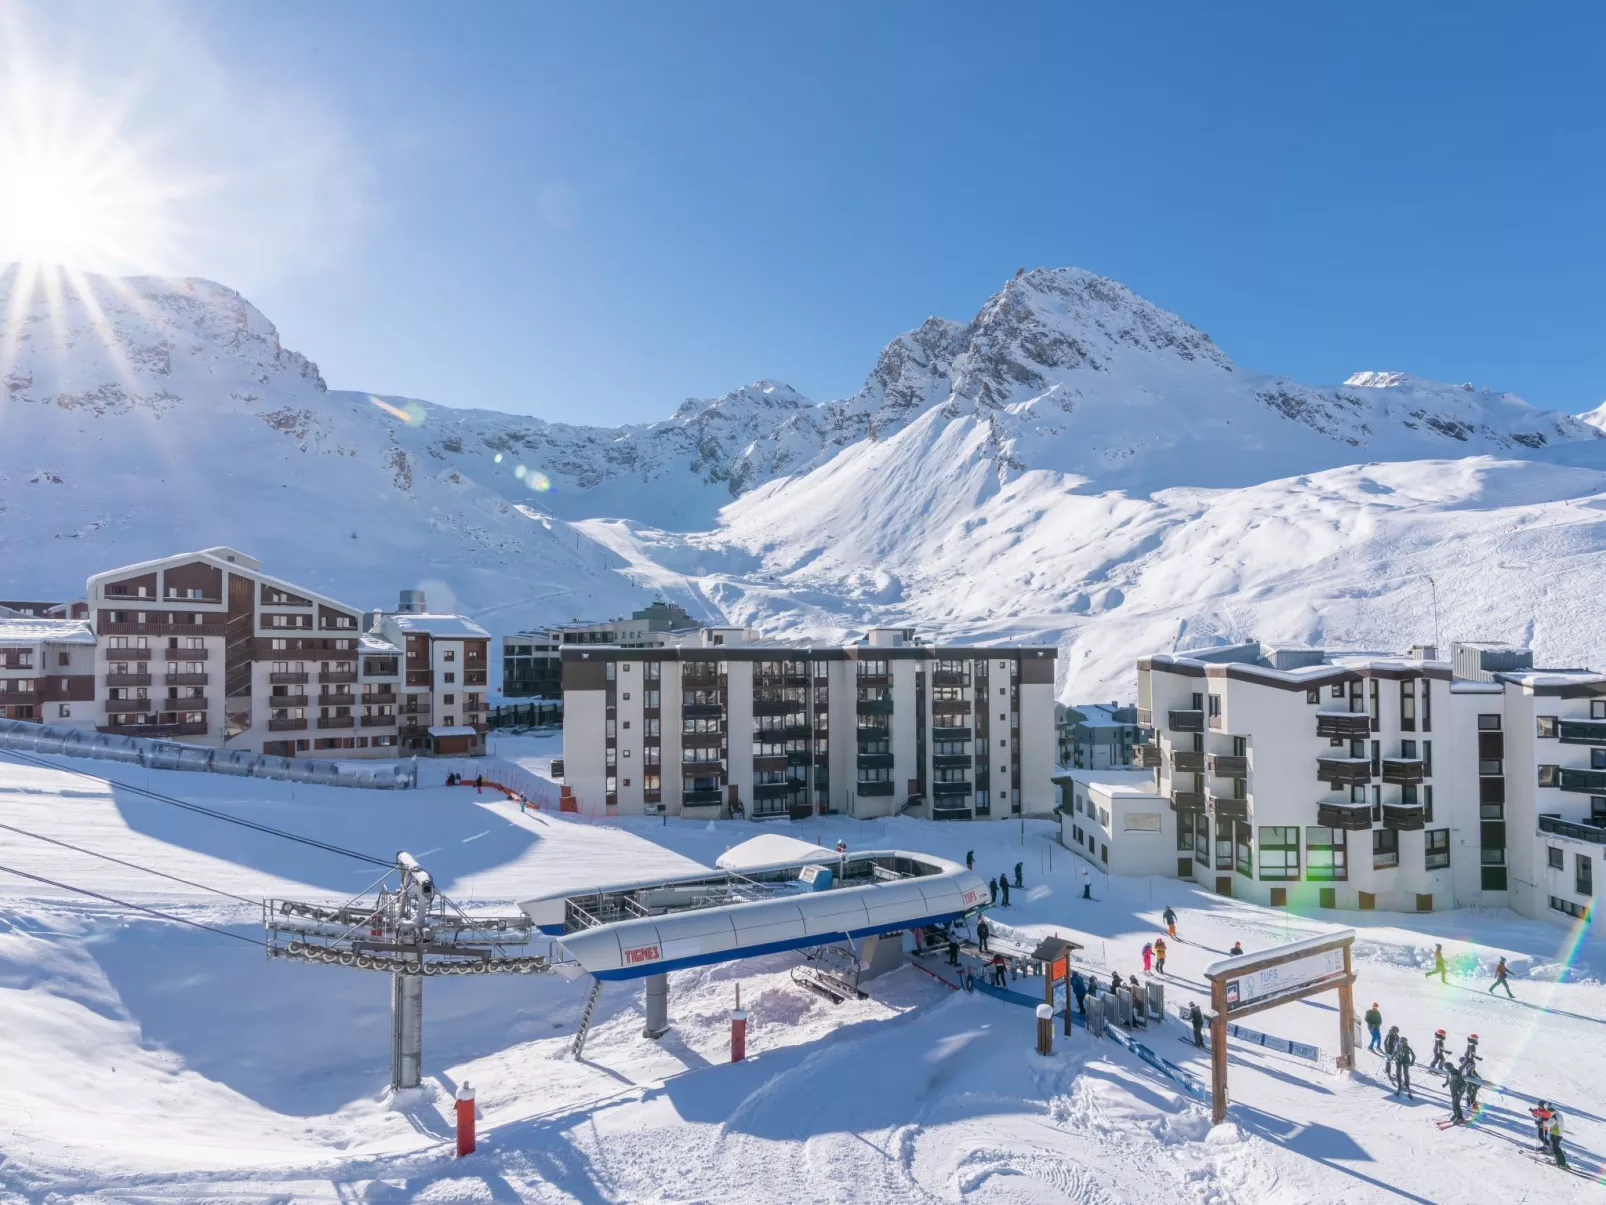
[{"x": 1569, "y": 1168}]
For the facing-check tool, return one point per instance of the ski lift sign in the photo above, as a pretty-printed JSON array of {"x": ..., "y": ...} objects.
[{"x": 1266, "y": 983}]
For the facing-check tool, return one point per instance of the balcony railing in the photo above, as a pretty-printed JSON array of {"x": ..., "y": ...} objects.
[
  {"x": 1352, "y": 817},
  {"x": 1228, "y": 807},
  {"x": 1187, "y": 720},
  {"x": 336, "y": 676},
  {"x": 172, "y": 679},
  {"x": 287, "y": 700},
  {"x": 1345, "y": 724},
  {"x": 1146, "y": 756},
  {"x": 284, "y": 679},
  {"x": 1229, "y": 765},
  {"x": 1588, "y": 782},
  {"x": 1187, "y": 761},
  {"x": 154, "y": 729},
  {"x": 702, "y": 711},
  {"x": 128, "y": 654},
  {"x": 287, "y": 725},
  {"x": 949, "y": 677},
  {"x": 1406, "y": 817},
  {"x": 128, "y": 679},
  {"x": 703, "y": 765},
  {"x": 378, "y": 721},
  {"x": 701, "y": 798},
  {"x": 185, "y": 654},
  {"x": 946, "y": 733},
  {"x": 1406, "y": 770},
  {"x": 186, "y": 703},
  {"x": 336, "y": 721},
  {"x": 950, "y": 761},
  {"x": 877, "y": 788},
  {"x": 947, "y": 789},
  {"x": 1187, "y": 801},
  {"x": 1583, "y": 732},
  {"x": 9, "y": 698},
  {"x": 1344, "y": 771},
  {"x": 874, "y": 706},
  {"x": 130, "y": 705},
  {"x": 1555, "y": 825},
  {"x": 875, "y": 760}
]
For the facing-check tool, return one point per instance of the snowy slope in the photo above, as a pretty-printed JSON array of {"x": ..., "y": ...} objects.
[
  {"x": 1073, "y": 464},
  {"x": 148, "y": 1062}
]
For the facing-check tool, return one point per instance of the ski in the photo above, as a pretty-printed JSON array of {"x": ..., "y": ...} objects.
[{"x": 1549, "y": 1162}]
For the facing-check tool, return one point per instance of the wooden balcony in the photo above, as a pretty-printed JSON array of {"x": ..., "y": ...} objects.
[
  {"x": 378, "y": 721},
  {"x": 1406, "y": 817},
  {"x": 286, "y": 679},
  {"x": 1187, "y": 801},
  {"x": 1352, "y": 817},
  {"x": 9, "y": 698},
  {"x": 1146, "y": 756},
  {"x": 1228, "y": 807},
  {"x": 157, "y": 730},
  {"x": 1228, "y": 765},
  {"x": 172, "y": 679},
  {"x": 1187, "y": 761},
  {"x": 287, "y": 700},
  {"x": 1186, "y": 720},
  {"x": 1403, "y": 770},
  {"x": 1345, "y": 724},
  {"x": 337, "y": 721},
  {"x": 130, "y": 705},
  {"x": 128, "y": 654},
  {"x": 287, "y": 725},
  {"x": 1344, "y": 771},
  {"x": 128, "y": 679},
  {"x": 336, "y": 677},
  {"x": 185, "y": 654}
]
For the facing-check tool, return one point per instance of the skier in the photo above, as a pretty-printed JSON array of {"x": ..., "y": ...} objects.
[
  {"x": 982, "y": 930},
  {"x": 1000, "y": 971},
  {"x": 1438, "y": 1051},
  {"x": 1553, "y": 1128},
  {"x": 841, "y": 847},
  {"x": 1469, "y": 1060},
  {"x": 1170, "y": 919},
  {"x": 1115, "y": 982},
  {"x": 1404, "y": 1056},
  {"x": 970, "y": 859},
  {"x": 1500, "y": 979},
  {"x": 1079, "y": 990},
  {"x": 1390, "y": 1045},
  {"x": 1148, "y": 957},
  {"x": 1541, "y": 1115},
  {"x": 1003, "y": 887},
  {"x": 1018, "y": 881},
  {"x": 953, "y": 951},
  {"x": 967, "y": 980},
  {"x": 1087, "y": 885},
  {"x": 1196, "y": 1019},
  {"x": 1458, "y": 1087},
  {"x": 1374, "y": 1025},
  {"x": 1474, "y": 1082},
  {"x": 1237, "y": 948},
  {"x": 992, "y": 885},
  {"x": 479, "y": 787},
  {"x": 1159, "y": 955},
  {"x": 1439, "y": 968}
]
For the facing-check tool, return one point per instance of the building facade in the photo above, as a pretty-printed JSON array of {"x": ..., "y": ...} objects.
[
  {"x": 722, "y": 721},
  {"x": 1406, "y": 783},
  {"x": 532, "y": 661},
  {"x": 445, "y": 676},
  {"x": 47, "y": 671},
  {"x": 1097, "y": 736}
]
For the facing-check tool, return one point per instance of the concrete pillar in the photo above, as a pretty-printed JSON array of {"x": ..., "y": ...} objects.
[
  {"x": 406, "y": 1030},
  {"x": 657, "y": 1003}
]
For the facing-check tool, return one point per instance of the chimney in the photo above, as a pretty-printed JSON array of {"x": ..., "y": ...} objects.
[{"x": 411, "y": 603}]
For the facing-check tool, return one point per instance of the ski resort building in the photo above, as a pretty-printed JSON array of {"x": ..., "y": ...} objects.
[
  {"x": 1097, "y": 736},
  {"x": 47, "y": 671},
  {"x": 440, "y": 707},
  {"x": 1297, "y": 777},
  {"x": 532, "y": 661},
  {"x": 723, "y": 721}
]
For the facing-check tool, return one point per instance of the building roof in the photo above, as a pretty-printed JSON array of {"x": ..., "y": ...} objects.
[
  {"x": 1102, "y": 715},
  {"x": 218, "y": 557},
  {"x": 1551, "y": 677},
  {"x": 29, "y": 630},
  {"x": 1114, "y": 782},
  {"x": 373, "y": 643},
  {"x": 447, "y": 626},
  {"x": 453, "y": 730}
]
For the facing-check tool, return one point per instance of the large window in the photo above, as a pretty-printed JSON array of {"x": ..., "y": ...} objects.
[
  {"x": 1223, "y": 845},
  {"x": 1408, "y": 705},
  {"x": 1279, "y": 853},
  {"x": 1438, "y": 848},
  {"x": 1326, "y": 855},
  {"x": 1584, "y": 878},
  {"x": 1385, "y": 848},
  {"x": 1185, "y": 831},
  {"x": 1556, "y": 859},
  {"x": 1244, "y": 836}
]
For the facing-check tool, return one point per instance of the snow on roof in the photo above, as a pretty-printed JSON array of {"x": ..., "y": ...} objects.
[
  {"x": 248, "y": 564},
  {"x": 772, "y": 849},
  {"x": 27, "y": 629},
  {"x": 1101, "y": 715},
  {"x": 454, "y": 730},
  {"x": 1551, "y": 677},
  {"x": 370, "y": 643},
  {"x": 1115, "y": 782},
  {"x": 1307, "y": 673},
  {"x": 439, "y": 625}
]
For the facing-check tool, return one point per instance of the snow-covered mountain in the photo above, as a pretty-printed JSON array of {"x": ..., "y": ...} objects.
[{"x": 1073, "y": 463}]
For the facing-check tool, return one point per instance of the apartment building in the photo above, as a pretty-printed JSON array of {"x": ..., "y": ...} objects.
[
  {"x": 47, "y": 671},
  {"x": 532, "y": 665},
  {"x": 1097, "y": 736},
  {"x": 1297, "y": 777},
  {"x": 439, "y": 697},
  {"x": 723, "y": 721}
]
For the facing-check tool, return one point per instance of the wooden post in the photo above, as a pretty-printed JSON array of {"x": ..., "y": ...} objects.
[
  {"x": 1346, "y": 1016},
  {"x": 1218, "y": 1051}
]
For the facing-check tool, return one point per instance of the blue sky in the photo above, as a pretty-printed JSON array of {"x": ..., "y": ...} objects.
[{"x": 589, "y": 212}]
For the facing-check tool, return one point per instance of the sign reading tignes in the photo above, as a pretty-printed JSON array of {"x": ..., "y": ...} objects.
[
  {"x": 411, "y": 931},
  {"x": 1250, "y": 983}
]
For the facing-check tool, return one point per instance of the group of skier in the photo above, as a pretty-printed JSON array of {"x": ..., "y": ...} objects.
[{"x": 1442, "y": 970}]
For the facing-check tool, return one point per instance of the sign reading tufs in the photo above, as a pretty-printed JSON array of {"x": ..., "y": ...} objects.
[{"x": 1272, "y": 981}]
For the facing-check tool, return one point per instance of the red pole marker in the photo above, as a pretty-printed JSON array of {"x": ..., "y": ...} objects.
[
  {"x": 738, "y": 1034},
  {"x": 465, "y": 1120}
]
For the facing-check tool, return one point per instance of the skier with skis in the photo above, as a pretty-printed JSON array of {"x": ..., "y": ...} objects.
[
  {"x": 1159, "y": 955},
  {"x": 1404, "y": 1056},
  {"x": 1374, "y": 1026},
  {"x": 1018, "y": 882},
  {"x": 1390, "y": 1045},
  {"x": 1553, "y": 1128},
  {"x": 1079, "y": 990},
  {"x": 1196, "y": 1019},
  {"x": 1170, "y": 919},
  {"x": 1087, "y": 885},
  {"x": 1541, "y": 1115},
  {"x": 982, "y": 930},
  {"x": 1438, "y": 1051},
  {"x": 992, "y": 886},
  {"x": 1003, "y": 888},
  {"x": 1148, "y": 957},
  {"x": 1469, "y": 1059},
  {"x": 1474, "y": 1081},
  {"x": 1500, "y": 971},
  {"x": 1458, "y": 1087},
  {"x": 1439, "y": 968},
  {"x": 970, "y": 859}
]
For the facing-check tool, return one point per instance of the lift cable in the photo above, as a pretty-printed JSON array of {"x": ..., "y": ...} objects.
[
  {"x": 23, "y": 874},
  {"x": 131, "y": 865}
]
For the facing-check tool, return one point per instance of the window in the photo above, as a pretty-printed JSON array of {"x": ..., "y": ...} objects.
[
  {"x": 1185, "y": 831},
  {"x": 1597, "y": 709},
  {"x": 1558, "y": 860},
  {"x": 1326, "y": 854},
  {"x": 1427, "y": 759},
  {"x": 450, "y": 700},
  {"x": 1338, "y": 690},
  {"x": 1547, "y": 725},
  {"x": 1141, "y": 822},
  {"x": 1215, "y": 705},
  {"x": 1549, "y": 776},
  {"x": 1243, "y": 836},
  {"x": 1313, "y": 695},
  {"x": 1584, "y": 875},
  {"x": 1408, "y": 749},
  {"x": 1279, "y": 853},
  {"x": 1577, "y": 911},
  {"x": 1597, "y": 759},
  {"x": 1408, "y": 705},
  {"x": 1427, "y": 805},
  {"x": 63, "y": 710},
  {"x": 1438, "y": 848},
  {"x": 449, "y": 676},
  {"x": 1385, "y": 848},
  {"x": 1488, "y": 723}
]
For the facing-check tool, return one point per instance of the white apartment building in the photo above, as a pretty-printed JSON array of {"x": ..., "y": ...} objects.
[
  {"x": 532, "y": 661},
  {"x": 1356, "y": 781},
  {"x": 445, "y": 676},
  {"x": 725, "y": 721},
  {"x": 47, "y": 671}
]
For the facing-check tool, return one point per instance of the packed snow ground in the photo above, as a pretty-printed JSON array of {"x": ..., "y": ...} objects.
[{"x": 148, "y": 1061}]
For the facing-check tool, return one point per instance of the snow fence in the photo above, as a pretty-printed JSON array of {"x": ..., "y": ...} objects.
[{"x": 26, "y": 737}]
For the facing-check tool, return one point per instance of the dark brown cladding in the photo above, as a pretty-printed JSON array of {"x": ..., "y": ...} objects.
[
  {"x": 588, "y": 674},
  {"x": 74, "y": 688},
  {"x": 303, "y": 647},
  {"x": 129, "y": 587},
  {"x": 196, "y": 575},
  {"x": 276, "y": 596}
]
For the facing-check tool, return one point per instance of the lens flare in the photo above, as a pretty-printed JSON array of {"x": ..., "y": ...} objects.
[
  {"x": 410, "y": 413},
  {"x": 537, "y": 481}
]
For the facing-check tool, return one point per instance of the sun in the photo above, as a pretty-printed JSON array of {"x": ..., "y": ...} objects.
[{"x": 75, "y": 194}]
